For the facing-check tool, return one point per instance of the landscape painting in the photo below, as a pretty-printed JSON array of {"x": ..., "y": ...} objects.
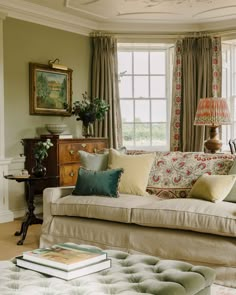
[{"x": 50, "y": 90}]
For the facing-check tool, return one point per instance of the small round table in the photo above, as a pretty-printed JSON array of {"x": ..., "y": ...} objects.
[{"x": 30, "y": 217}]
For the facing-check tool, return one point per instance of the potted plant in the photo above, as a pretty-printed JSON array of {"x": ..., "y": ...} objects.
[
  {"x": 88, "y": 111},
  {"x": 40, "y": 152}
]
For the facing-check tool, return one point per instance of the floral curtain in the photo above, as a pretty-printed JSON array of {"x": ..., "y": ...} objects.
[
  {"x": 105, "y": 86},
  {"x": 197, "y": 74}
]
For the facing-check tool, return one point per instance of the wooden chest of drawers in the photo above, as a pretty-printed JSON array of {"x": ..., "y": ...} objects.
[{"x": 63, "y": 158}]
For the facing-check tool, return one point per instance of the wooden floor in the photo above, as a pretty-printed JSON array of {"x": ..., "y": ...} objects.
[{"x": 8, "y": 246}]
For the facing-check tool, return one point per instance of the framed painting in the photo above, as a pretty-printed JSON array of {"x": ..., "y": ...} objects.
[{"x": 50, "y": 90}]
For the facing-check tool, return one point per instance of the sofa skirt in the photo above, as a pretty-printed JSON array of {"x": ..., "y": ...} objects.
[{"x": 218, "y": 252}]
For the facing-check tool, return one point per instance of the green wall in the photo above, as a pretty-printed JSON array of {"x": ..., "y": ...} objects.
[{"x": 26, "y": 42}]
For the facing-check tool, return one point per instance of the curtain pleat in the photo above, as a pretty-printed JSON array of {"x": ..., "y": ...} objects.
[{"x": 105, "y": 86}]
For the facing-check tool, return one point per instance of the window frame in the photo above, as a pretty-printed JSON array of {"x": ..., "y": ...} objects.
[
  {"x": 147, "y": 47},
  {"x": 229, "y": 67}
]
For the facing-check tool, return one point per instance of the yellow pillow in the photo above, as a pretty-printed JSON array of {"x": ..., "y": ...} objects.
[
  {"x": 212, "y": 188},
  {"x": 134, "y": 180}
]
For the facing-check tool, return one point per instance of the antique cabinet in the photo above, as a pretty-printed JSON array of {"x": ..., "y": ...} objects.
[{"x": 63, "y": 158}]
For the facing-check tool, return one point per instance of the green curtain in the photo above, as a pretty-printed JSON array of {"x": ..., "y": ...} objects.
[
  {"x": 105, "y": 86},
  {"x": 197, "y": 74}
]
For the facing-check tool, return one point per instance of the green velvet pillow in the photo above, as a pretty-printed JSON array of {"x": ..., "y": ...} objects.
[{"x": 98, "y": 183}]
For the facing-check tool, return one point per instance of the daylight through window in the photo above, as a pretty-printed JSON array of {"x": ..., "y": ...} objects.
[
  {"x": 145, "y": 94},
  {"x": 229, "y": 89}
]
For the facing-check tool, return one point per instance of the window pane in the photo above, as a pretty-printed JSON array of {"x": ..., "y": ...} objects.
[
  {"x": 127, "y": 110},
  {"x": 234, "y": 130},
  {"x": 224, "y": 55},
  {"x": 226, "y": 130},
  {"x": 224, "y": 83},
  {"x": 159, "y": 111},
  {"x": 142, "y": 111},
  {"x": 158, "y": 86},
  {"x": 128, "y": 134},
  {"x": 233, "y": 112},
  {"x": 142, "y": 135},
  {"x": 140, "y": 86},
  {"x": 157, "y": 62},
  {"x": 234, "y": 83},
  {"x": 234, "y": 58},
  {"x": 159, "y": 134},
  {"x": 125, "y": 62},
  {"x": 140, "y": 63},
  {"x": 125, "y": 87}
]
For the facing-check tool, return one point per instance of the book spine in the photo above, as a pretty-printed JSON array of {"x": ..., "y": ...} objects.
[{"x": 105, "y": 264}]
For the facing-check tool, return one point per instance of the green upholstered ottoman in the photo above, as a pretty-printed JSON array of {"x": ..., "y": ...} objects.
[{"x": 131, "y": 274}]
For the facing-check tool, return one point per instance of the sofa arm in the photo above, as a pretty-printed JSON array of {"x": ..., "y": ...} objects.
[{"x": 50, "y": 195}]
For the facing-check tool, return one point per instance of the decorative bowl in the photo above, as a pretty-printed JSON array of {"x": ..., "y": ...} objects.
[{"x": 56, "y": 128}]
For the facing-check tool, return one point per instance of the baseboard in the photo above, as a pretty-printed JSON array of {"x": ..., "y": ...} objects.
[
  {"x": 21, "y": 212},
  {"x": 6, "y": 216}
]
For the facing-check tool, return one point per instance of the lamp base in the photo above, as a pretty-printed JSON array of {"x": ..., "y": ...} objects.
[{"x": 213, "y": 144}]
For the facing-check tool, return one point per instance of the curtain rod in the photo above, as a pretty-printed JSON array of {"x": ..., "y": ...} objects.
[
  {"x": 174, "y": 35},
  {"x": 164, "y": 36}
]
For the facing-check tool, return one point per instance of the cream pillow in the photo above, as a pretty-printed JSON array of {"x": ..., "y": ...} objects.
[
  {"x": 212, "y": 188},
  {"x": 134, "y": 180}
]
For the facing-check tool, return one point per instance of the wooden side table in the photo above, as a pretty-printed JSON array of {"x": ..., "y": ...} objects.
[{"x": 30, "y": 217}]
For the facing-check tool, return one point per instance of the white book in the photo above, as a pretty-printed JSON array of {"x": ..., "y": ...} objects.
[
  {"x": 65, "y": 256},
  {"x": 66, "y": 275},
  {"x": 65, "y": 136}
]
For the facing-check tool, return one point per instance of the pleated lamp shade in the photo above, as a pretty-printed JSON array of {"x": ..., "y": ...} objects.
[{"x": 212, "y": 112}]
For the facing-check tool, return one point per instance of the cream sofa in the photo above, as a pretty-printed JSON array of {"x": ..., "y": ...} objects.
[{"x": 165, "y": 224}]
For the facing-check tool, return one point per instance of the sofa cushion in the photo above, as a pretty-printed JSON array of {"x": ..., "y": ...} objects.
[
  {"x": 112, "y": 209},
  {"x": 212, "y": 188},
  {"x": 174, "y": 173},
  {"x": 136, "y": 171},
  {"x": 97, "y": 162},
  {"x": 231, "y": 197},
  {"x": 188, "y": 214},
  {"x": 100, "y": 183}
]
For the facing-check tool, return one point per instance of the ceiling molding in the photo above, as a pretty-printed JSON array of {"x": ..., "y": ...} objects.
[
  {"x": 46, "y": 16},
  {"x": 23, "y": 10}
]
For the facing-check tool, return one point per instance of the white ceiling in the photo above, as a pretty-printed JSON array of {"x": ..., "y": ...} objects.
[{"x": 130, "y": 15}]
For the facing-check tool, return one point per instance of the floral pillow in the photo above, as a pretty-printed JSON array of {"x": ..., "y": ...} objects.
[{"x": 174, "y": 173}]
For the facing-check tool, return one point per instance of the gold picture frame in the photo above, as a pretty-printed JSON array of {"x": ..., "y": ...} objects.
[{"x": 50, "y": 90}]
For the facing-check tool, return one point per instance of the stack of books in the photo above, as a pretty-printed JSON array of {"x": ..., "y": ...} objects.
[
  {"x": 57, "y": 136},
  {"x": 66, "y": 261}
]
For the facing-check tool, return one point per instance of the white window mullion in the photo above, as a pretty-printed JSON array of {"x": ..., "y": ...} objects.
[{"x": 134, "y": 129}]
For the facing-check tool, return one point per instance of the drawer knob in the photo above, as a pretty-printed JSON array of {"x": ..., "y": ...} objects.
[
  {"x": 71, "y": 152},
  {"x": 83, "y": 145},
  {"x": 72, "y": 174}
]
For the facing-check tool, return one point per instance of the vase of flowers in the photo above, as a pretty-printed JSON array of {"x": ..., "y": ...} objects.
[
  {"x": 88, "y": 111},
  {"x": 41, "y": 152}
]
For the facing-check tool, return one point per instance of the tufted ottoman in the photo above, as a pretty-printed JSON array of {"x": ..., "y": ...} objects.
[{"x": 131, "y": 274}]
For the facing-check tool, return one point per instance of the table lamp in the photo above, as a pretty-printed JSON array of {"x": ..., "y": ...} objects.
[{"x": 212, "y": 112}]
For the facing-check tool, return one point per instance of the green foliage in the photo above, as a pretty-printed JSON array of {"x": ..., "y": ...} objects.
[
  {"x": 62, "y": 93},
  {"x": 142, "y": 134},
  {"x": 89, "y": 111},
  {"x": 41, "y": 149},
  {"x": 43, "y": 91}
]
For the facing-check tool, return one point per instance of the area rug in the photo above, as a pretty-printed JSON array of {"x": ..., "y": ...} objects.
[{"x": 220, "y": 290}]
